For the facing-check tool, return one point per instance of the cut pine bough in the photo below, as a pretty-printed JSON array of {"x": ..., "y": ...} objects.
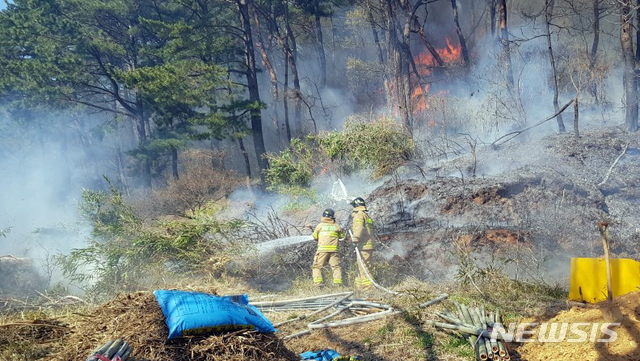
[
  {"x": 477, "y": 326},
  {"x": 347, "y": 304}
]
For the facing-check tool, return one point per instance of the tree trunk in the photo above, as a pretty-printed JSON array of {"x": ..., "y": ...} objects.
[
  {"x": 472, "y": 36},
  {"x": 637, "y": 31},
  {"x": 380, "y": 53},
  {"x": 420, "y": 30},
  {"x": 245, "y": 156},
  {"x": 121, "y": 169},
  {"x": 252, "y": 84},
  {"x": 593, "y": 88},
  {"x": 394, "y": 58},
  {"x": 283, "y": 42},
  {"x": 405, "y": 58},
  {"x": 430, "y": 47},
  {"x": 504, "y": 41},
  {"x": 333, "y": 40},
  {"x": 492, "y": 11},
  {"x": 320, "y": 45},
  {"x": 596, "y": 32},
  {"x": 285, "y": 100},
  {"x": 629, "y": 83},
  {"x": 637, "y": 63},
  {"x": 421, "y": 82},
  {"x": 275, "y": 94},
  {"x": 267, "y": 63},
  {"x": 293, "y": 59},
  {"x": 463, "y": 43},
  {"x": 174, "y": 162},
  {"x": 548, "y": 15},
  {"x": 576, "y": 118},
  {"x": 141, "y": 128}
]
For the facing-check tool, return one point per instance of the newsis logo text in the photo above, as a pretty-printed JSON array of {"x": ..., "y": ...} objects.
[{"x": 556, "y": 332}]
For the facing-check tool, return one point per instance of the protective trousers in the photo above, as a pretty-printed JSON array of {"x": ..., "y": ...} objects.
[
  {"x": 362, "y": 279},
  {"x": 320, "y": 260}
]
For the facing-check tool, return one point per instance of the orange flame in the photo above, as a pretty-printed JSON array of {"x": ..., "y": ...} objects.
[{"x": 450, "y": 54}]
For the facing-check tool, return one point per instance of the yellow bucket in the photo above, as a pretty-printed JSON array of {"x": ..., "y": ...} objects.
[{"x": 589, "y": 278}]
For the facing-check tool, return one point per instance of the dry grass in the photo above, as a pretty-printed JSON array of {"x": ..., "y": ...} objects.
[
  {"x": 401, "y": 337},
  {"x": 31, "y": 339},
  {"x": 73, "y": 334},
  {"x": 199, "y": 184},
  {"x": 138, "y": 319}
]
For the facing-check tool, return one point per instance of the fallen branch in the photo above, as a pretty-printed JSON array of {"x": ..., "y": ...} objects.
[
  {"x": 606, "y": 178},
  {"x": 518, "y": 132}
]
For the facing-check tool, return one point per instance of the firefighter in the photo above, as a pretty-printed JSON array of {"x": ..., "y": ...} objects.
[
  {"x": 362, "y": 237},
  {"x": 328, "y": 233}
]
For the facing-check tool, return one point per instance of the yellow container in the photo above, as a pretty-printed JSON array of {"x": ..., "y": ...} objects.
[{"x": 589, "y": 278}]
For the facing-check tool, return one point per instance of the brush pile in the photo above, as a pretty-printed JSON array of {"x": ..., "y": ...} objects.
[
  {"x": 138, "y": 319},
  {"x": 476, "y": 326}
]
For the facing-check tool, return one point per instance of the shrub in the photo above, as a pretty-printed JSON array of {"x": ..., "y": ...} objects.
[
  {"x": 291, "y": 167},
  {"x": 382, "y": 145},
  {"x": 198, "y": 185},
  {"x": 124, "y": 253}
]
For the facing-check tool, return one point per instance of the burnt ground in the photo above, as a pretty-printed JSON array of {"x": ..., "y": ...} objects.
[
  {"x": 533, "y": 204},
  {"x": 538, "y": 201}
]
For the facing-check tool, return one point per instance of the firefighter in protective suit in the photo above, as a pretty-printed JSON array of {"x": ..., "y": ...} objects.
[
  {"x": 362, "y": 236},
  {"x": 328, "y": 233}
]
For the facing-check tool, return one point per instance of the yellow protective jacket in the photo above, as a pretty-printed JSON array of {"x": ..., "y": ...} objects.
[
  {"x": 327, "y": 233},
  {"x": 362, "y": 228}
]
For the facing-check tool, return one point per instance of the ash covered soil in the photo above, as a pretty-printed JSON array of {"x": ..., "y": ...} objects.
[
  {"x": 543, "y": 197},
  {"x": 533, "y": 204}
]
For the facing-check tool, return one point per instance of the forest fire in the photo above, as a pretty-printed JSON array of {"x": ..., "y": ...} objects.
[{"x": 425, "y": 63}]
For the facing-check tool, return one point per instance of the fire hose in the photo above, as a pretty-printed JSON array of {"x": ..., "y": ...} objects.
[
  {"x": 388, "y": 310},
  {"x": 367, "y": 274}
]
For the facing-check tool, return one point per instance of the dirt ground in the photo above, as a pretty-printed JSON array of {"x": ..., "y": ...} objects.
[{"x": 626, "y": 346}]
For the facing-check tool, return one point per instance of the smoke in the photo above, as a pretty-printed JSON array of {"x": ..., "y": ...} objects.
[{"x": 43, "y": 172}]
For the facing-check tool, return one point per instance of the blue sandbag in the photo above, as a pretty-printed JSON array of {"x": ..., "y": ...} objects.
[
  {"x": 196, "y": 313},
  {"x": 320, "y": 355}
]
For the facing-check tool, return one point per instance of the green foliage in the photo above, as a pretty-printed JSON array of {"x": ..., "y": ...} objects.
[
  {"x": 386, "y": 329},
  {"x": 123, "y": 252},
  {"x": 165, "y": 65},
  {"x": 107, "y": 212},
  {"x": 291, "y": 167},
  {"x": 458, "y": 346},
  {"x": 382, "y": 145}
]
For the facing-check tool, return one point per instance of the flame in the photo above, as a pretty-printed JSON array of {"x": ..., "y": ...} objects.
[
  {"x": 451, "y": 53},
  {"x": 425, "y": 62}
]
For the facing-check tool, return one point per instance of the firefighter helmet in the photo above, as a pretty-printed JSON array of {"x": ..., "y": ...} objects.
[
  {"x": 357, "y": 202},
  {"x": 329, "y": 213}
]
